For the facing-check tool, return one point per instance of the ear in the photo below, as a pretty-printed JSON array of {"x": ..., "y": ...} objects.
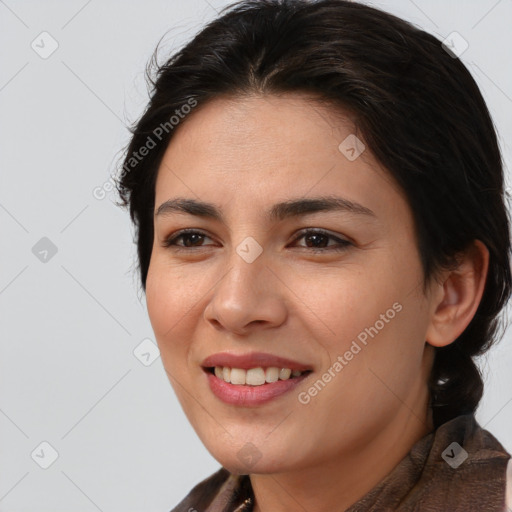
[{"x": 456, "y": 298}]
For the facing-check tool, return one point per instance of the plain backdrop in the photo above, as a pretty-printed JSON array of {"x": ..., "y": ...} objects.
[{"x": 77, "y": 392}]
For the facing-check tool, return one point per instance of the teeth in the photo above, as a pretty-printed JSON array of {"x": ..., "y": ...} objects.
[
  {"x": 254, "y": 376},
  {"x": 272, "y": 374},
  {"x": 284, "y": 373},
  {"x": 237, "y": 376}
]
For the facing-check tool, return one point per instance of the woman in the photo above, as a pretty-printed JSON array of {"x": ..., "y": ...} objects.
[{"x": 317, "y": 191}]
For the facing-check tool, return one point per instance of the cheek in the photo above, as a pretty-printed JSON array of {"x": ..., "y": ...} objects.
[
  {"x": 170, "y": 309},
  {"x": 387, "y": 371},
  {"x": 169, "y": 295},
  {"x": 168, "y": 304},
  {"x": 158, "y": 297},
  {"x": 345, "y": 302},
  {"x": 378, "y": 319}
]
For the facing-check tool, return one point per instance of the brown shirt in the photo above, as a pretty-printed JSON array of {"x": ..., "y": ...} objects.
[{"x": 459, "y": 467}]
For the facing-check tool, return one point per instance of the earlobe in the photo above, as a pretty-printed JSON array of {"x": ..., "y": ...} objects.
[{"x": 456, "y": 300}]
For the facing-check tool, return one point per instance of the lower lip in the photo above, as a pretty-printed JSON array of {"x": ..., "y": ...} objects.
[{"x": 251, "y": 395}]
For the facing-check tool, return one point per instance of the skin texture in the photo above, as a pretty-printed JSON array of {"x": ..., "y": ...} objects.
[{"x": 244, "y": 154}]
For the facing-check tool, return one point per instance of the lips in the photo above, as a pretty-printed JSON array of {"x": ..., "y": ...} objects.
[
  {"x": 253, "y": 360},
  {"x": 227, "y": 373}
]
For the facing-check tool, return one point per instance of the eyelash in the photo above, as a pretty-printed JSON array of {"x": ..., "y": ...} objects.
[{"x": 343, "y": 244}]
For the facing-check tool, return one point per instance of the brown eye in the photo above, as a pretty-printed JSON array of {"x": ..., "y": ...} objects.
[
  {"x": 317, "y": 240},
  {"x": 191, "y": 239}
]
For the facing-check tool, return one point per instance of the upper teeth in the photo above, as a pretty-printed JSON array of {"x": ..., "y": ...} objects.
[{"x": 254, "y": 376}]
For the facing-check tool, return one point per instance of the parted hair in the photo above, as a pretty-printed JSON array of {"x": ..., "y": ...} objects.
[{"x": 417, "y": 108}]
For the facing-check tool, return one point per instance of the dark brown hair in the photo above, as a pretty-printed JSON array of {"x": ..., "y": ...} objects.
[{"x": 417, "y": 107}]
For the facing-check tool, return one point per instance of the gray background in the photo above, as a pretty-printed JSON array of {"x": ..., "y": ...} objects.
[{"x": 70, "y": 323}]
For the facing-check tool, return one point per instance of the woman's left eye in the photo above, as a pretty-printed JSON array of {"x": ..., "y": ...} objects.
[{"x": 315, "y": 236}]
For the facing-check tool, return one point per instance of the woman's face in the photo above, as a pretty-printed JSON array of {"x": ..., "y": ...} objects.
[{"x": 345, "y": 303}]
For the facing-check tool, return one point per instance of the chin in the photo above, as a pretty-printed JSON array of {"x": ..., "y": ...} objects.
[
  {"x": 249, "y": 459},
  {"x": 261, "y": 468}
]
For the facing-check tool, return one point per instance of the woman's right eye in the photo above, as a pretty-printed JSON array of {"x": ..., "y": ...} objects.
[{"x": 190, "y": 239}]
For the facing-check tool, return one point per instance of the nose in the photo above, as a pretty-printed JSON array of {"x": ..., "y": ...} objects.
[{"x": 249, "y": 296}]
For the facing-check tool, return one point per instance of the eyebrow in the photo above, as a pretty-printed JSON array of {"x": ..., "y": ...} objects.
[{"x": 278, "y": 212}]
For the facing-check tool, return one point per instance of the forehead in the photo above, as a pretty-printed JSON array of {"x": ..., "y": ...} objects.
[
  {"x": 262, "y": 122},
  {"x": 256, "y": 149}
]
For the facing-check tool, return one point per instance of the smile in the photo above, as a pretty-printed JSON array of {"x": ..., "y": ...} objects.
[
  {"x": 244, "y": 394},
  {"x": 254, "y": 376}
]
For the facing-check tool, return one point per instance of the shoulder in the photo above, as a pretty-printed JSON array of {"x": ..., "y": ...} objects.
[{"x": 204, "y": 492}]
